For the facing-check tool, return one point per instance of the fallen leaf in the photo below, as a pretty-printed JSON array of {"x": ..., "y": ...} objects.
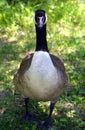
[{"x": 2, "y": 110}]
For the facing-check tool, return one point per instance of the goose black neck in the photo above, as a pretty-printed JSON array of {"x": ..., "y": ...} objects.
[{"x": 41, "y": 42}]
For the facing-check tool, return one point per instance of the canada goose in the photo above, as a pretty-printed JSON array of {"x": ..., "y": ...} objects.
[{"x": 41, "y": 75}]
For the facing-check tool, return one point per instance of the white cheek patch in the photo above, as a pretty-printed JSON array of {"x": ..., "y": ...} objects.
[{"x": 46, "y": 18}]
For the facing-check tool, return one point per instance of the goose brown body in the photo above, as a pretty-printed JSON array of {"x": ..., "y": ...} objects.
[{"x": 42, "y": 92}]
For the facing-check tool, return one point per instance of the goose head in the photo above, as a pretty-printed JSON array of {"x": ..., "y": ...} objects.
[{"x": 40, "y": 18}]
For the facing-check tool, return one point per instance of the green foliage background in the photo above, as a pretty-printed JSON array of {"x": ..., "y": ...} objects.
[{"x": 66, "y": 38}]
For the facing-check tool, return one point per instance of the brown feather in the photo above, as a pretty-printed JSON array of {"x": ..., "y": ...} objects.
[
  {"x": 57, "y": 62},
  {"x": 25, "y": 64},
  {"x": 60, "y": 66}
]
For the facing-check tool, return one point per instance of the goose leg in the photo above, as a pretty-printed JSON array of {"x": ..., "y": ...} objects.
[
  {"x": 26, "y": 100},
  {"x": 46, "y": 125},
  {"x": 28, "y": 115}
]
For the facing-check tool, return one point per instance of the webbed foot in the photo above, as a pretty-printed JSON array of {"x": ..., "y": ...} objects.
[
  {"x": 45, "y": 125},
  {"x": 30, "y": 117}
]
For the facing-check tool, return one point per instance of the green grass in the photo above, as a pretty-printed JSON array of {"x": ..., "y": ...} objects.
[{"x": 66, "y": 38}]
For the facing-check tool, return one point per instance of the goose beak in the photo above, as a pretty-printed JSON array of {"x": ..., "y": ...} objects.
[{"x": 40, "y": 22}]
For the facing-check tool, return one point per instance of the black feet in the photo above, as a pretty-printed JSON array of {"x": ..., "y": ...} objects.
[
  {"x": 30, "y": 117},
  {"x": 45, "y": 125}
]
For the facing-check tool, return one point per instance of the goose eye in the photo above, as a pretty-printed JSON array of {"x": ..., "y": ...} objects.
[{"x": 38, "y": 18}]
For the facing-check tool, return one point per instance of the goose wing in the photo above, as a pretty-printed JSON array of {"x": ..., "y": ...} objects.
[
  {"x": 57, "y": 62},
  {"x": 25, "y": 64},
  {"x": 60, "y": 66}
]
